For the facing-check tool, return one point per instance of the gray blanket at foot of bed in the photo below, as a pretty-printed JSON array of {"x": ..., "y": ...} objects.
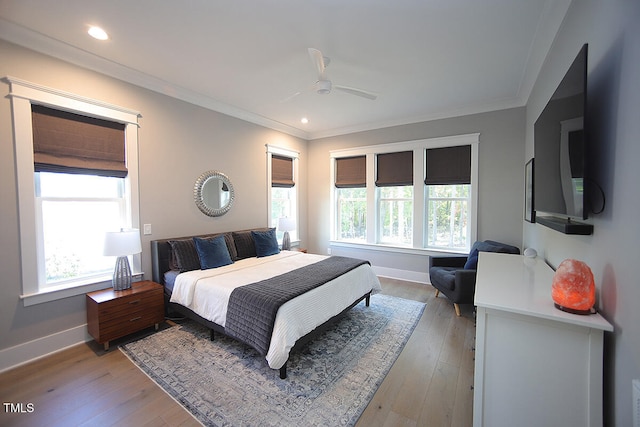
[{"x": 252, "y": 308}]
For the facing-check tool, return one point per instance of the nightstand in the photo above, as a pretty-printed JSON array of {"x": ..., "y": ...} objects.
[{"x": 114, "y": 314}]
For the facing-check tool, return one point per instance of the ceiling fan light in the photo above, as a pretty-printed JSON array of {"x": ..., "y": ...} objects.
[{"x": 324, "y": 87}]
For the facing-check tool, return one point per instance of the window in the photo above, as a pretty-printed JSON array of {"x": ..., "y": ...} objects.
[
  {"x": 65, "y": 209},
  {"x": 394, "y": 182},
  {"x": 283, "y": 205},
  {"x": 283, "y": 193},
  {"x": 448, "y": 223},
  {"x": 395, "y": 215},
  {"x": 439, "y": 215},
  {"x": 352, "y": 214},
  {"x": 75, "y": 212},
  {"x": 448, "y": 197},
  {"x": 351, "y": 198}
]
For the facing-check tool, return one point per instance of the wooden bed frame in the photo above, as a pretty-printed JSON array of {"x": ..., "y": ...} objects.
[{"x": 161, "y": 263}]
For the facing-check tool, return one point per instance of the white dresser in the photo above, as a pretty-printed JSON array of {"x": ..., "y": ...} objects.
[{"x": 535, "y": 365}]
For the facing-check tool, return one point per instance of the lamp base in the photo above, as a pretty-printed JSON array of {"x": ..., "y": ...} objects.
[
  {"x": 122, "y": 274},
  {"x": 573, "y": 310},
  {"x": 286, "y": 241}
]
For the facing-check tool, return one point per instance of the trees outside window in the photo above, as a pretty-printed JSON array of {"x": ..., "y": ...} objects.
[
  {"x": 395, "y": 215},
  {"x": 352, "y": 214},
  {"x": 448, "y": 224}
]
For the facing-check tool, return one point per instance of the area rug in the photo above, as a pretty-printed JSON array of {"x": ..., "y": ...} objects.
[{"x": 330, "y": 381}]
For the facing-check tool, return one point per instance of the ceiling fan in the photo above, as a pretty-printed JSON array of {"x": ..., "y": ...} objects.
[{"x": 324, "y": 86}]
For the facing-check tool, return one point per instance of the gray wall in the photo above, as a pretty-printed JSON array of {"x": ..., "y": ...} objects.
[
  {"x": 612, "y": 30},
  {"x": 177, "y": 142},
  {"x": 500, "y": 175}
]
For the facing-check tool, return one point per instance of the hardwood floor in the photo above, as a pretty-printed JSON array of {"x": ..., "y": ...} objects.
[
  {"x": 431, "y": 382},
  {"x": 429, "y": 385}
]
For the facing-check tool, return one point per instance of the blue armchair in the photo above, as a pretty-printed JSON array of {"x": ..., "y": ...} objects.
[{"x": 455, "y": 276}]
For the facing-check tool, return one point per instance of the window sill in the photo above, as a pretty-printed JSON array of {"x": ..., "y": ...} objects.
[
  {"x": 395, "y": 249},
  {"x": 56, "y": 293}
]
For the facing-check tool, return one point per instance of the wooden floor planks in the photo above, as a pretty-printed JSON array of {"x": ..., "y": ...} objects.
[{"x": 429, "y": 385}]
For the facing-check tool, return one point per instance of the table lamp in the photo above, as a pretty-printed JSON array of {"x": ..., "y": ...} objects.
[
  {"x": 122, "y": 244},
  {"x": 286, "y": 225},
  {"x": 573, "y": 288}
]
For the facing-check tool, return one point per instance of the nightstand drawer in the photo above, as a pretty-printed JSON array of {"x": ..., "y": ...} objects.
[
  {"x": 130, "y": 323},
  {"x": 124, "y": 306}
]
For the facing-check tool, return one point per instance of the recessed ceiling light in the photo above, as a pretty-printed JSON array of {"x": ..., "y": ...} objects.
[
  {"x": 304, "y": 120},
  {"x": 98, "y": 33}
]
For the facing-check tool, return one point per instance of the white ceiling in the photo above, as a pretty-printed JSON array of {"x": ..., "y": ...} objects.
[{"x": 424, "y": 59}]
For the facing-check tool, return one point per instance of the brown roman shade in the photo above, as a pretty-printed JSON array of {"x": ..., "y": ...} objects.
[
  {"x": 448, "y": 165},
  {"x": 351, "y": 172},
  {"x": 394, "y": 169},
  {"x": 72, "y": 143},
  {"x": 282, "y": 172}
]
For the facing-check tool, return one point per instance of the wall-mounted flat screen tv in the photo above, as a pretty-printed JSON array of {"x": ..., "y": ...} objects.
[{"x": 560, "y": 138}]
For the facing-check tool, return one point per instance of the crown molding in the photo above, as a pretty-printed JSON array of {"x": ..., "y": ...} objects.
[
  {"x": 553, "y": 17},
  {"x": 38, "y": 42},
  {"x": 444, "y": 114}
]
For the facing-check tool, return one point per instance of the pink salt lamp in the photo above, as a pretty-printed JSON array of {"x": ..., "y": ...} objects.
[{"x": 573, "y": 288}]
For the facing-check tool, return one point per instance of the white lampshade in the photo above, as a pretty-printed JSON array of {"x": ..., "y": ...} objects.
[
  {"x": 121, "y": 243},
  {"x": 286, "y": 224}
]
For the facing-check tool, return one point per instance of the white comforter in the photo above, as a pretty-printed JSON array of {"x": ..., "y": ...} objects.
[{"x": 206, "y": 292}]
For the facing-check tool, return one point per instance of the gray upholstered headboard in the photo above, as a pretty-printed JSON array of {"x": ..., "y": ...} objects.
[{"x": 161, "y": 252}]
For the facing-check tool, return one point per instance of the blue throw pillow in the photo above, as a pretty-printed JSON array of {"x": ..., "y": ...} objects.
[
  {"x": 486, "y": 246},
  {"x": 266, "y": 242},
  {"x": 472, "y": 261},
  {"x": 213, "y": 253}
]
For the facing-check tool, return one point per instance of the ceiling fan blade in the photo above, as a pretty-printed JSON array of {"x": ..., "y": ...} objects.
[
  {"x": 318, "y": 62},
  {"x": 358, "y": 92},
  {"x": 290, "y": 97},
  {"x": 312, "y": 87}
]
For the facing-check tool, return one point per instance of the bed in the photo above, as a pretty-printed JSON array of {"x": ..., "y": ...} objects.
[{"x": 240, "y": 284}]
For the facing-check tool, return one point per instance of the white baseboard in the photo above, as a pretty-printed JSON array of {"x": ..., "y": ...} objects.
[
  {"x": 29, "y": 351},
  {"x": 394, "y": 273}
]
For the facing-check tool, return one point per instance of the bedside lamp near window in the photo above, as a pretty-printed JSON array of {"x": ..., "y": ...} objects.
[
  {"x": 286, "y": 225},
  {"x": 122, "y": 244}
]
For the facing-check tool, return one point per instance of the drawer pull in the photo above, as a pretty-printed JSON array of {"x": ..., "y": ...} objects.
[
  {"x": 134, "y": 302},
  {"x": 135, "y": 318}
]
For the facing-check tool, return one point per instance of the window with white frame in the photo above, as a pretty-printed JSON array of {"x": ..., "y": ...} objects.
[
  {"x": 68, "y": 198},
  {"x": 437, "y": 215},
  {"x": 351, "y": 206},
  {"x": 448, "y": 197},
  {"x": 394, "y": 183},
  {"x": 448, "y": 220},
  {"x": 351, "y": 198},
  {"x": 395, "y": 215},
  {"x": 282, "y": 191},
  {"x": 76, "y": 211}
]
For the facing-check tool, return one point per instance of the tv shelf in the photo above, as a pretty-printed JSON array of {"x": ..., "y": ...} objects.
[{"x": 565, "y": 225}]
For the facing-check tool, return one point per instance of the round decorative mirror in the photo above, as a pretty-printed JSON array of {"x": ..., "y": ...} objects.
[{"x": 213, "y": 193}]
